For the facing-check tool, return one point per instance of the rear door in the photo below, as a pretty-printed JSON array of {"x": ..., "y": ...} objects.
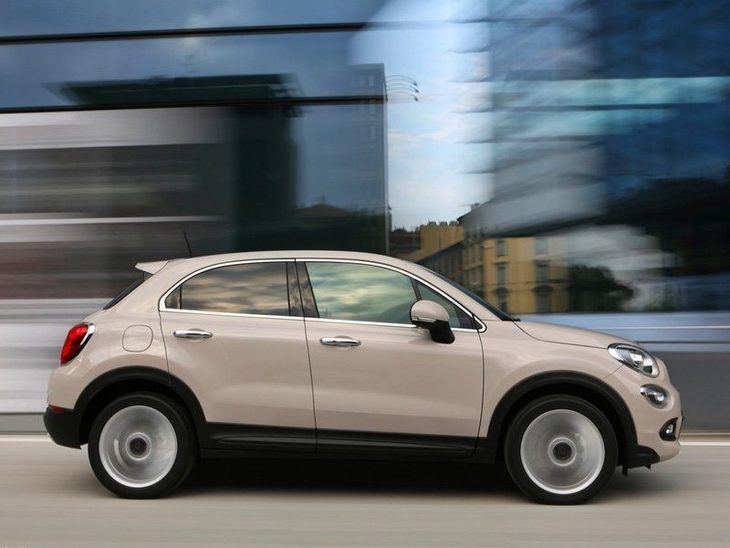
[
  {"x": 235, "y": 336},
  {"x": 392, "y": 388}
]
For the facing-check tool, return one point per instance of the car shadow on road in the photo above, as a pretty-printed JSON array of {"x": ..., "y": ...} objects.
[
  {"x": 640, "y": 483},
  {"x": 317, "y": 476},
  {"x": 393, "y": 478}
]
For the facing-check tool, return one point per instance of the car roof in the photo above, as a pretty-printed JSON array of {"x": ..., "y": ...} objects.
[
  {"x": 295, "y": 254},
  {"x": 204, "y": 260},
  {"x": 169, "y": 272}
]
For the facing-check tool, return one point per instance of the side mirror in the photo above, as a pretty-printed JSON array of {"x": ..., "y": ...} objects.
[{"x": 432, "y": 316}]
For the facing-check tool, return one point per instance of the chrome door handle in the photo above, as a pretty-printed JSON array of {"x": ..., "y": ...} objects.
[
  {"x": 339, "y": 341},
  {"x": 192, "y": 334}
]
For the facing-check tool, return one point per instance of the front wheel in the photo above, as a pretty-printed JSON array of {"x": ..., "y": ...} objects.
[
  {"x": 142, "y": 446},
  {"x": 560, "y": 450}
]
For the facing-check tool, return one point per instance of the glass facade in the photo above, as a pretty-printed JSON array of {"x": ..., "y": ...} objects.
[{"x": 554, "y": 156}]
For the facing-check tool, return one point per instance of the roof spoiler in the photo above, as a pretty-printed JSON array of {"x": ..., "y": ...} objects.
[{"x": 151, "y": 268}]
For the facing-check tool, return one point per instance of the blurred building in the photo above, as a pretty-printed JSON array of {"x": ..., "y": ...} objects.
[
  {"x": 593, "y": 136},
  {"x": 434, "y": 237},
  {"x": 240, "y": 162},
  {"x": 447, "y": 261},
  {"x": 518, "y": 274},
  {"x": 403, "y": 242},
  {"x": 593, "y": 103}
]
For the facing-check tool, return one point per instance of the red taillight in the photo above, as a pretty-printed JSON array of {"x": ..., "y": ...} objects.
[{"x": 77, "y": 337}]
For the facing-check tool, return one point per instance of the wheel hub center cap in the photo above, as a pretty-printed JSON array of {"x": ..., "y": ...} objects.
[
  {"x": 139, "y": 446},
  {"x": 562, "y": 451}
]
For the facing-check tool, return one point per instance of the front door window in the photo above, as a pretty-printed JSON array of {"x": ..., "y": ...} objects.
[{"x": 363, "y": 293}]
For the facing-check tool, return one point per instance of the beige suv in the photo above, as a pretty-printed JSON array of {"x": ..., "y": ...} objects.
[{"x": 326, "y": 354}]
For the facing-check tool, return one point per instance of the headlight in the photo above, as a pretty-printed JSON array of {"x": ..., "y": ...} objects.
[{"x": 635, "y": 358}]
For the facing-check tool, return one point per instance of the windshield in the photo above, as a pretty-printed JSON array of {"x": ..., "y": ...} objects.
[{"x": 493, "y": 309}]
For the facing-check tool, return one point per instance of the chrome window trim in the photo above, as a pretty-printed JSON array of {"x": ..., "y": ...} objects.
[
  {"x": 161, "y": 302},
  {"x": 481, "y": 327},
  {"x": 383, "y": 324},
  {"x": 233, "y": 314}
]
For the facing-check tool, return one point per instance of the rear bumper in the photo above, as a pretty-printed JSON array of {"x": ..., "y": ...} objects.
[{"x": 64, "y": 426}]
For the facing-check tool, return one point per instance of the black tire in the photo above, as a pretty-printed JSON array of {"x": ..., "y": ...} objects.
[
  {"x": 184, "y": 457},
  {"x": 516, "y": 466}
]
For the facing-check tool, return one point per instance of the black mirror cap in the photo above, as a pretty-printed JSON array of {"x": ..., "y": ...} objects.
[{"x": 441, "y": 332}]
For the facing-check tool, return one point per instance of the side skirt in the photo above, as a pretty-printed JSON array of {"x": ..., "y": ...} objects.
[{"x": 221, "y": 440}]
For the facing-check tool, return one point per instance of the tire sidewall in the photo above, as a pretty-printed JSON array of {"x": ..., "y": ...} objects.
[
  {"x": 513, "y": 442},
  {"x": 184, "y": 433}
]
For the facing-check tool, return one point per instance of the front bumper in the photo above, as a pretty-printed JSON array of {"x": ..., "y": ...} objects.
[
  {"x": 648, "y": 419},
  {"x": 63, "y": 425},
  {"x": 640, "y": 455}
]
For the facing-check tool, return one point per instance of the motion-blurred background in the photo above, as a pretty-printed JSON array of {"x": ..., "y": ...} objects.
[{"x": 566, "y": 159}]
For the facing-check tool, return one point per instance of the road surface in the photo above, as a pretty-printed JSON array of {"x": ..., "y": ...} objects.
[{"x": 49, "y": 497}]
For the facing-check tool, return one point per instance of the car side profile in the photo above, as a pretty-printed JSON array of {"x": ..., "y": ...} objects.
[{"x": 326, "y": 354}]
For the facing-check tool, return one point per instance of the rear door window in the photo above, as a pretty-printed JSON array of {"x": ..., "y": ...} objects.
[{"x": 251, "y": 288}]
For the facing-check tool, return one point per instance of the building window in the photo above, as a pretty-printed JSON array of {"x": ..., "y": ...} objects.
[
  {"x": 501, "y": 248},
  {"x": 501, "y": 274},
  {"x": 543, "y": 303},
  {"x": 542, "y": 272},
  {"x": 503, "y": 303},
  {"x": 541, "y": 245}
]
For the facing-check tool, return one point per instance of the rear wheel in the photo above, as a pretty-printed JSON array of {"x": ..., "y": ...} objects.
[
  {"x": 142, "y": 446},
  {"x": 560, "y": 450}
]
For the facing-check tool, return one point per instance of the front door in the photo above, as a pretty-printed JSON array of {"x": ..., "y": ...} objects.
[
  {"x": 380, "y": 383},
  {"x": 233, "y": 335}
]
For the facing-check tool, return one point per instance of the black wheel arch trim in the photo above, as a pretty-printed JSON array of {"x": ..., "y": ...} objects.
[
  {"x": 489, "y": 448},
  {"x": 129, "y": 374},
  {"x": 68, "y": 427}
]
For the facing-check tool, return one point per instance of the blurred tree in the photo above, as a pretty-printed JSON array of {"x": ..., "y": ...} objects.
[
  {"x": 594, "y": 289},
  {"x": 689, "y": 217}
]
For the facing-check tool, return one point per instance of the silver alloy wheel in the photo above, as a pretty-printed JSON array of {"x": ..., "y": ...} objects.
[
  {"x": 562, "y": 451},
  {"x": 138, "y": 446}
]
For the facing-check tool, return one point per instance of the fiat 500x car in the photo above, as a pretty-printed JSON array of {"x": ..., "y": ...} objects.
[{"x": 335, "y": 354}]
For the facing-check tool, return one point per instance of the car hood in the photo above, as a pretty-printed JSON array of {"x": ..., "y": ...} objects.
[{"x": 550, "y": 332}]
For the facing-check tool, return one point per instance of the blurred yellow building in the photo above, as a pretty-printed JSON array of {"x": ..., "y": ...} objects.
[
  {"x": 435, "y": 237},
  {"x": 518, "y": 275}
]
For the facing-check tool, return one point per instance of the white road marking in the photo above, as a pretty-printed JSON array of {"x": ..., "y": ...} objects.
[
  {"x": 649, "y": 327},
  {"x": 705, "y": 443}
]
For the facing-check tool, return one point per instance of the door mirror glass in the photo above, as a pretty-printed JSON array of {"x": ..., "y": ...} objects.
[{"x": 434, "y": 317}]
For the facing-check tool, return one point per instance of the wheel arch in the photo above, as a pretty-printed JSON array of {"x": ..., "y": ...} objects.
[
  {"x": 124, "y": 380},
  {"x": 581, "y": 385}
]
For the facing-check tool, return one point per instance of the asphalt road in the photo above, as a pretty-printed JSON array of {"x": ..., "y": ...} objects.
[{"x": 49, "y": 497}]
